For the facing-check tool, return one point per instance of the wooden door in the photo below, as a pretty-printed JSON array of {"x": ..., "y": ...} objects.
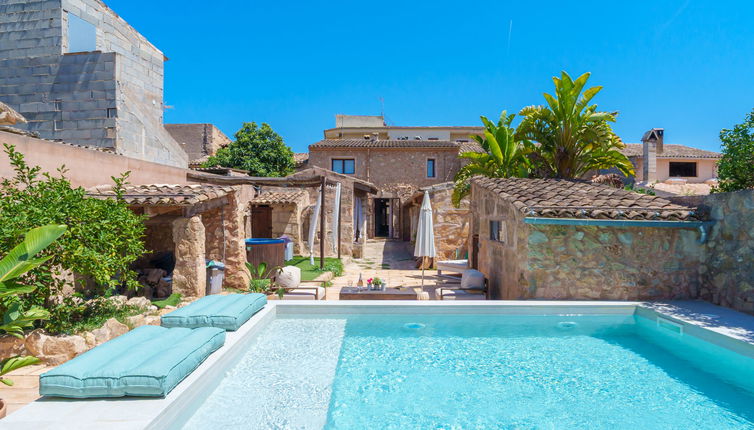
[{"x": 261, "y": 221}]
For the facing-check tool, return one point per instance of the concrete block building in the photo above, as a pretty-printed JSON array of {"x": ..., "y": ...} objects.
[{"x": 79, "y": 73}]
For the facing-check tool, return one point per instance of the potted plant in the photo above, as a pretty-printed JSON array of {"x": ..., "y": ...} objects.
[
  {"x": 261, "y": 279},
  {"x": 15, "y": 320},
  {"x": 378, "y": 283}
]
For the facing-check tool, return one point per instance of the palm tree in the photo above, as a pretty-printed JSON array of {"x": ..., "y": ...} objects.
[
  {"x": 504, "y": 156},
  {"x": 569, "y": 138}
]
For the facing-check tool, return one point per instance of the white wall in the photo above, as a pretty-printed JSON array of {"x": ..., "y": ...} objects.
[{"x": 423, "y": 133}]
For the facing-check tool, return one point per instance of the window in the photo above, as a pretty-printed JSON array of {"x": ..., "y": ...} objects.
[
  {"x": 343, "y": 165},
  {"x": 431, "y": 168},
  {"x": 497, "y": 231},
  {"x": 82, "y": 36},
  {"x": 682, "y": 170}
]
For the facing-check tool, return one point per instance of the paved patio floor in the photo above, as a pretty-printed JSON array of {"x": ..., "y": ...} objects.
[{"x": 391, "y": 261}]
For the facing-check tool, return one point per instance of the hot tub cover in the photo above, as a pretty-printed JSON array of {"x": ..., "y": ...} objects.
[
  {"x": 148, "y": 361},
  {"x": 227, "y": 312},
  {"x": 263, "y": 241}
]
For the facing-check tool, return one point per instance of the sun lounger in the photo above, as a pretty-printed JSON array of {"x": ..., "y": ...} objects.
[
  {"x": 227, "y": 312},
  {"x": 471, "y": 286},
  {"x": 148, "y": 361},
  {"x": 456, "y": 266}
]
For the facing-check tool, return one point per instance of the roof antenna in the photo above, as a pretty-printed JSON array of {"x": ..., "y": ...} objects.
[{"x": 382, "y": 110}]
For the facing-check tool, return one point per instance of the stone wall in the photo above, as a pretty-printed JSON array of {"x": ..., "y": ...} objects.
[
  {"x": 584, "y": 262},
  {"x": 503, "y": 262},
  {"x": 728, "y": 273},
  {"x": 451, "y": 224},
  {"x": 158, "y": 237},
  {"x": 286, "y": 220},
  {"x": 224, "y": 240},
  {"x": 189, "y": 276},
  {"x": 198, "y": 140},
  {"x": 612, "y": 263},
  {"x": 111, "y": 97},
  {"x": 384, "y": 167}
]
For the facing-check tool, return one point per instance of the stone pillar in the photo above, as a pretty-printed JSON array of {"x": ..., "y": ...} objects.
[
  {"x": 236, "y": 275},
  {"x": 189, "y": 276}
]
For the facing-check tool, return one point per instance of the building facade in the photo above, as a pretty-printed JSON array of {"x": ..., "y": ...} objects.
[
  {"x": 654, "y": 161},
  {"x": 398, "y": 160},
  {"x": 79, "y": 73},
  {"x": 199, "y": 141}
]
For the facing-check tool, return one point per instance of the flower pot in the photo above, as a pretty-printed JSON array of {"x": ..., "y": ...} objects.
[{"x": 3, "y": 409}]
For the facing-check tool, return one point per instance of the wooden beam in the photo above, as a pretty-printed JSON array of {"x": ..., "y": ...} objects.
[
  {"x": 322, "y": 227},
  {"x": 198, "y": 208}
]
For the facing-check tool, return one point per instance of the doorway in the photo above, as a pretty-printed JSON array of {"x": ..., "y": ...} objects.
[
  {"x": 381, "y": 217},
  {"x": 261, "y": 221}
]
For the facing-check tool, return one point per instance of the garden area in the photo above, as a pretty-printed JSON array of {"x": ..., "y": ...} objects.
[
  {"x": 66, "y": 283},
  {"x": 310, "y": 272}
]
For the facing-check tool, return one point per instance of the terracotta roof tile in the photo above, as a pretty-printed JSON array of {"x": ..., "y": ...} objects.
[
  {"x": 558, "y": 198},
  {"x": 670, "y": 151},
  {"x": 363, "y": 143},
  {"x": 164, "y": 194},
  {"x": 279, "y": 197},
  {"x": 471, "y": 146}
]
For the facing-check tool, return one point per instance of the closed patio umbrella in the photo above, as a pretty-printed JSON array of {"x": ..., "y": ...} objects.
[{"x": 425, "y": 234}]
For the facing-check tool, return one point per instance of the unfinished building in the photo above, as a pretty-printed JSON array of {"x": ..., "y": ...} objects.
[{"x": 79, "y": 73}]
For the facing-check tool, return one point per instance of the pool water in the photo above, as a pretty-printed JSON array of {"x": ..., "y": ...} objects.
[{"x": 480, "y": 372}]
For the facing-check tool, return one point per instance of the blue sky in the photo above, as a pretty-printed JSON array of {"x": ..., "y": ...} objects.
[{"x": 683, "y": 65}]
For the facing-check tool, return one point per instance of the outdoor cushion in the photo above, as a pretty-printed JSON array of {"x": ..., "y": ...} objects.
[
  {"x": 148, "y": 361},
  {"x": 228, "y": 312},
  {"x": 472, "y": 279}
]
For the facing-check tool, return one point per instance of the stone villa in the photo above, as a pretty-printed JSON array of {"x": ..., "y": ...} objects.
[{"x": 399, "y": 161}]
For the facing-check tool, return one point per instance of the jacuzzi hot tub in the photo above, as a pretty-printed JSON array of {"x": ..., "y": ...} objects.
[{"x": 270, "y": 251}]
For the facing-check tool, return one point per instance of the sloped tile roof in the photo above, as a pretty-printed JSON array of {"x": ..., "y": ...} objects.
[
  {"x": 279, "y": 197},
  {"x": 363, "y": 143},
  {"x": 164, "y": 194},
  {"x": 670, "y": 151},
  {"x": 471, "y": 146},
  {"x": 558, "y": 198}
]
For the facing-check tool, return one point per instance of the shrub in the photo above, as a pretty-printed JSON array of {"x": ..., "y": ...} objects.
[
  {"x": 104, "y": 237},
  {"x": 735, "y": 169}
]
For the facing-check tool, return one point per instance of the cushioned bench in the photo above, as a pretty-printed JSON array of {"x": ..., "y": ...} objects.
[
  {"x": 148, "y": 361},
  {"x": 228, "y": 312}
]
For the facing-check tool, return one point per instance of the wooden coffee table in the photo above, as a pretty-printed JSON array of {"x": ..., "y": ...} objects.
[{"x": 403, "y": 293}]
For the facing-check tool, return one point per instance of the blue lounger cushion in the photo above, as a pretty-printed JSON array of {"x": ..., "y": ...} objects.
[
  {"x": 228, "y": 312},
  {"x": 148, "y": 361}
]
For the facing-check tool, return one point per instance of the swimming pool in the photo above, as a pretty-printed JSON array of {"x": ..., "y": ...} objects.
[{"x": 548, "y": 369}]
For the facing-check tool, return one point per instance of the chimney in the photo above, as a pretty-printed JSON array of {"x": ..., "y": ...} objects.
[{"x": 652, "y": 145}]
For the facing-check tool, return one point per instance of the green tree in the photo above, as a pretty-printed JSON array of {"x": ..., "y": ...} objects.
[
  {"x": 735, "y": 169},
  {"x": 569, "y": 138},
  {"x": 258, "y": 150},
  {"x": 504, "y": 156},
  {"x": 104, "y": 237}
]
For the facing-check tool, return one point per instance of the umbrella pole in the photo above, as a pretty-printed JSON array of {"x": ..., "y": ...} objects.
[{"x": 423, "y": 272}]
